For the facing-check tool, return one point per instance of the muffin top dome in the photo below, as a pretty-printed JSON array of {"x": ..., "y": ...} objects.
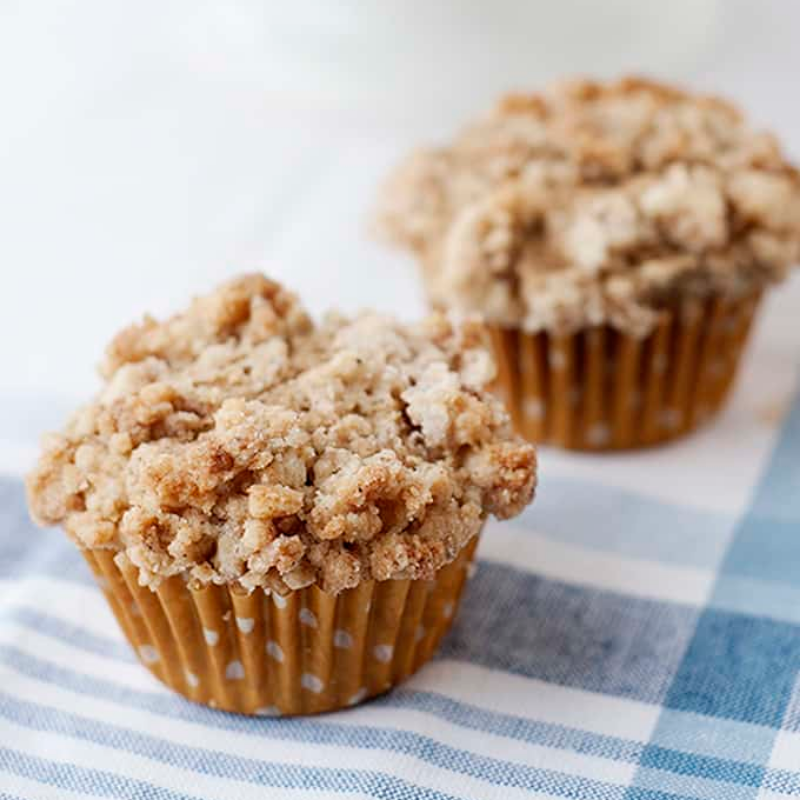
[
  {"x": 596, "y": 203},
  {"x": 238, "y": 443}
]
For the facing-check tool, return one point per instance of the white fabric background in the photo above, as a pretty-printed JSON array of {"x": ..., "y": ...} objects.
[{"x": 148, "y": 150}]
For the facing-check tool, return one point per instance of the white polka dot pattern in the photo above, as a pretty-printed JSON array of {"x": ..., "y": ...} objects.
[
  {"x": 670, "y": 419},
  {"x": 311, "y": 682},
  {"x": 604, "y": 376},
  {"x": 245, "y": 624},
  {"x": 308, "y": 618},
  {"x": 267, "y": 661},
  {"x": 557, "y": 359},
  {"x": 342, "y": 639},
  {"x": 598, "y": 434},
  {"x": 357, "y": 697},
  {"x": 383, "y": 652},
  {"x": 534, "y": 408},
  {"x": 268, "y": 711},
  {"x": 211, "y": 637},
  {"x": 234, "y": 671},
  {"x": 279, "y": 600},
  {"x": 274, "y": 650},
  {"x": 148, "y": 653}
]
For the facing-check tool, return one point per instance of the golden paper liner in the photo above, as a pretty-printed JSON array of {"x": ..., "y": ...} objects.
[
  {"x": 303, "y": 653},
  {"x": 601, "y": 389}
]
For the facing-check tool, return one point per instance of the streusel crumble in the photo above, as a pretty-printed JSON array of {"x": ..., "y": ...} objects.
[
  {"x": 596, "y": 204},
  {"x": 238, "y": 443}
]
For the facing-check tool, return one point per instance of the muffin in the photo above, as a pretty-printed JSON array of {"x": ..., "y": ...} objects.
[
  {"x": 281, "y": 515},
  {"x": 617, "y": 238}
]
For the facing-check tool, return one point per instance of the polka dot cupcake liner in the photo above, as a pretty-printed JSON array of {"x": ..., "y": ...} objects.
[
  {"x": 601, "y": 389},
  {"x": 303, "y": 653}
]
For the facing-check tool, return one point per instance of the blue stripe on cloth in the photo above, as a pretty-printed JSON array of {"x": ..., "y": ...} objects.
[
  {"x": 729, "y": 740},
  {"x": 267, "y": 773},
  {"x": 581, "y": 637},
  {"x": 642, "y": 793},
  {"x": 767, "y": 544},
  {"x": 684, "y": 763},
  {"x": 95, "y": 782},
  {"x": 742, "y": 667},
  {"x": 512, "y": 727},
  {"x": 610, "y": 519},
  {"x": 778, "y": 493},
  {"x": 739, "y": 667},
  {"x": 791, "y": 719},
  {"x": 766, "y": 598},
  {"x": 681, "y": 785},
  {"x": 91, "y": 782},
  {"x": 783, "y": 781}
]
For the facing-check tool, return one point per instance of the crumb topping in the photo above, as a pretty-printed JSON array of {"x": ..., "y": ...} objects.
[
  {"x": 596, "y": 203},
  {"x": 238, "y": 443}
]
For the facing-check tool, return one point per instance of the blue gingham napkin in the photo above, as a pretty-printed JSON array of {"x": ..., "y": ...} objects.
[{"x": 635, "y": 634}]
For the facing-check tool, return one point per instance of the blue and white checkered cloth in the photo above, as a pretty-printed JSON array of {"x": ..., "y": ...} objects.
[{"x": 635, "y": 634}]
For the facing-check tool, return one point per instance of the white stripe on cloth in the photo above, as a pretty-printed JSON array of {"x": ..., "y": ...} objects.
[
  {"x": 571, "y": 563},
  {"x": 535, "y": 699},
  {"x": 64, "y": 600},
  {"x": 129, "y": 674},
  {"x": 786, "y": 752}
]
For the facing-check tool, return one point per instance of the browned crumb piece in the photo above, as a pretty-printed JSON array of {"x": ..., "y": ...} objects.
[
  {"x": 236, "y": 443},
  {"x": 596, "y": 203}
]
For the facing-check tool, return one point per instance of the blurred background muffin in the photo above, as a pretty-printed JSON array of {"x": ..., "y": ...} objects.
[{"x": 617, "y": 236}]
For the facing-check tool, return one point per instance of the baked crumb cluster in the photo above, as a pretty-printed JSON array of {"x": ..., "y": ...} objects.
[
  {"x": 596, "y": 203},
  {"x": 238, "y": 443}
]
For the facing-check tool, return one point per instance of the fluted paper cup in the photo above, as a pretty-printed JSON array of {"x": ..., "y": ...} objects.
[
  {"x": 602, "y": 389},
  {"x": 302, "y": 653}
]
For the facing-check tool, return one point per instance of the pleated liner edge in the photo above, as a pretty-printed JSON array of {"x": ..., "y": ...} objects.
[
  {"x": 602, "y": 389},
  {"x": 303, "y": 653}
]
